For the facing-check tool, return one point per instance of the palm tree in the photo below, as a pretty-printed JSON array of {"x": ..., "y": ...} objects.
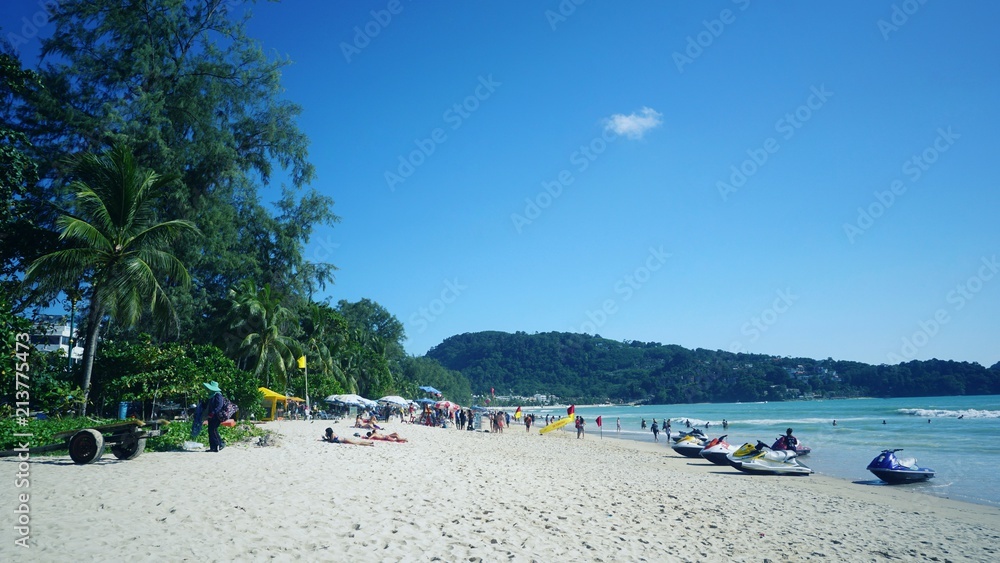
[
  {"x": 258, "y": 314},
  {"x": 118, "y": 246}
]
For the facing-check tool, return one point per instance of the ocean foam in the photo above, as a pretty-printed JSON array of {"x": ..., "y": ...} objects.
[{"x": 945, "y": 413}]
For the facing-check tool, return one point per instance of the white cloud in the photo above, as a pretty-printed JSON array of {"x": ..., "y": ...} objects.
[{"x": 634, "y": 125}]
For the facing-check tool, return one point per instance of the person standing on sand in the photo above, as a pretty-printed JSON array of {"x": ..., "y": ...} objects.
[
  {"x": 666, "y": 428},
  {"x": 656, "y": 431},
  {"x": 579, "y": 427},
  {"x": 213, "y": 412}
]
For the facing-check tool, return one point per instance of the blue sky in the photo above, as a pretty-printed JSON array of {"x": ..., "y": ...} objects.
[{"x": 798, "y": 180}]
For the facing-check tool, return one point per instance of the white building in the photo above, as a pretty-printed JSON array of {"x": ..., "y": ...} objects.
[{"x": 53, "y": 334}]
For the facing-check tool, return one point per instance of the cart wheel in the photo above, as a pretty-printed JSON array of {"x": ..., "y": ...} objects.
[
  {"x": 129, "y": 447},
  {"x": 86, "y": 446}
]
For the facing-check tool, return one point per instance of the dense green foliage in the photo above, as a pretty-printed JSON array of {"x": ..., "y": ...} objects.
[
  {"x": 138, "y": 370},
  {"x": 425, "y": 371},
  {"x": 180, "y": 432},
  {"x": 198, "y": 101},
  {"x": 11, "y": 326},
  {"x": 21, "y": 206},
  {"x": 115, "y": 244},
  {"x": 43, "y": 432},
  {"x": 583, "y": 368}
]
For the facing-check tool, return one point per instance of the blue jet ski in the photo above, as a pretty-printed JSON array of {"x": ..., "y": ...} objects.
[{"x": 891, "y": 469}]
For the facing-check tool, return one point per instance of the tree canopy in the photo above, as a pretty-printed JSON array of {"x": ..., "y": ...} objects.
[{"x": 199, "y": 100}]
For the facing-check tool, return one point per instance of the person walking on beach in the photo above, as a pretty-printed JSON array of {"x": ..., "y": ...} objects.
[
  {"x": 656, "y": 431},
  {"x": 213, "y": 412},
  {"x": 666, "y": 428},
  {"x": 579, "y": 427}
]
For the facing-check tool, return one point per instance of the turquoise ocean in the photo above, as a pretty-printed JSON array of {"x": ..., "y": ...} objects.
[{"x": 958, "y": 437}]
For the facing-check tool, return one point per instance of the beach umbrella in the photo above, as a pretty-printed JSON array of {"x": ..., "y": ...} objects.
[
  {"x": 394, "y": 399},
  {"x": 342, "y": 400},
  {"x": 426, "y": 401},
  {"x": 447, "y": 405},
  {"x": 430, "y": 389},
  {"x": 351, "y": 399}
]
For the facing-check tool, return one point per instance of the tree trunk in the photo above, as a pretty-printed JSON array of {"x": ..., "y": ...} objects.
[{"x": 89, "y": 351}]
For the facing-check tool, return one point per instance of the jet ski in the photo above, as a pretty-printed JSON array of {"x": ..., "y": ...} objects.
[
  {"x": 891, "y": 469},
  {"x": 800, "y": 449},
  {"x": 696, "y": 433},
  {"x": 717, "y": 450},
  {"x": 761, "y": 459},
  {"x": 689, "y": 446}
]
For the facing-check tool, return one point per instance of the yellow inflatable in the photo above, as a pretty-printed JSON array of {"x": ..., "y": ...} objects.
[{"x": 556, "y": 425}]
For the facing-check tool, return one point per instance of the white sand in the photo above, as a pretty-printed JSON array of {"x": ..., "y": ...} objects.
[{"x": 468, "y": 496}]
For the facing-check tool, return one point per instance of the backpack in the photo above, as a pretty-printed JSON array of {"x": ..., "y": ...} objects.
[{"x": 227, "y": 409}]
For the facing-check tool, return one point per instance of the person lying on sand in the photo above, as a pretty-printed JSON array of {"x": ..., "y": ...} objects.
[
  {"x": 334, "y": 439},
  {"x": 394, "y": 437},
  {"x": 369, "y": 424}
]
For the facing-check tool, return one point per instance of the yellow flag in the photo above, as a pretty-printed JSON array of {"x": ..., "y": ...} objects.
[{"x": 302, "y": 362}]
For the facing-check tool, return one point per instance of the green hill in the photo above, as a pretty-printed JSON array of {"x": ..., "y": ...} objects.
[{"x": 584, "y": 368}]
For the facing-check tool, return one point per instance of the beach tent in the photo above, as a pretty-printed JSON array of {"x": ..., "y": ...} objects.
[{"x": 271, "y": 400}]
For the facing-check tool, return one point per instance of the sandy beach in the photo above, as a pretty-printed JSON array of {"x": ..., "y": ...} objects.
[{"x": 449, "y": 495}]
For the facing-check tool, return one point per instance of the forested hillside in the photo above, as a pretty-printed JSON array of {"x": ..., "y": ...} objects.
[{"x": 584, "y": 368}]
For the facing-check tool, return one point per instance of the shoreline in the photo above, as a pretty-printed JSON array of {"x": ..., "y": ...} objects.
[
  {"x": 475, "y": 496},
  {"x": 844, "y": 481}
]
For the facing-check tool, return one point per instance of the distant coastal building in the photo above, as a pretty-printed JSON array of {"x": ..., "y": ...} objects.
[{"x": 53, "y": 333}]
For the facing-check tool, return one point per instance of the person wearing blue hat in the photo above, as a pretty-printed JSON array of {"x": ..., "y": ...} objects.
[{"x": 211, "y": 410}]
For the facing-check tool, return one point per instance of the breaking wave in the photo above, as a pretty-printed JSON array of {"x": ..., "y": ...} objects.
[{"x": 945, "y": 413}]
